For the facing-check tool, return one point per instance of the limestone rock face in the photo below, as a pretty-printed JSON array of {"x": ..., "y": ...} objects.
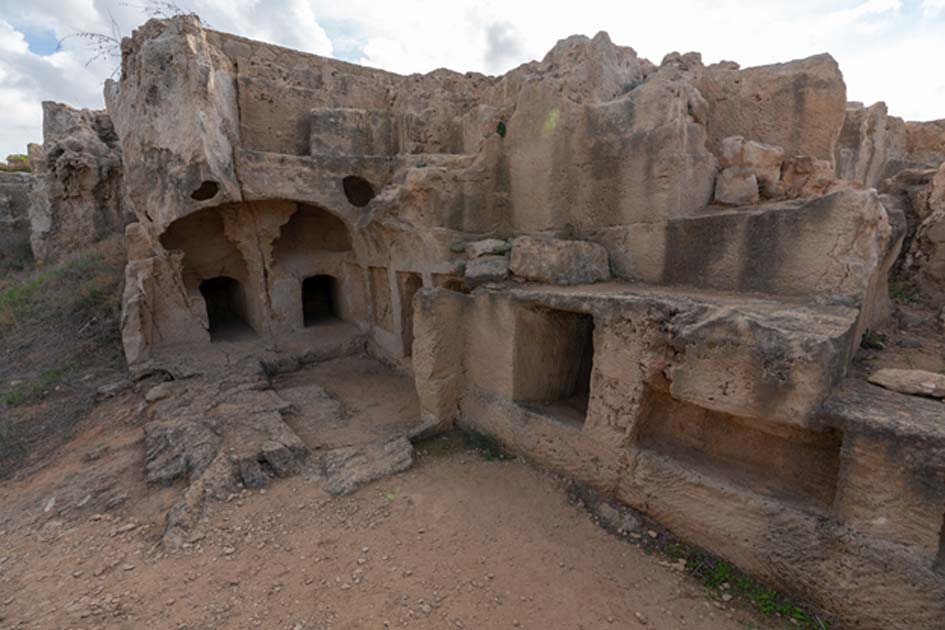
[
  {"x": 870, "y": 140},
  {"x": 798, "y": 105},
  {"x": 926, "y": 142},
  {"x": 765, "y": 248},
  {"x": 14, "y": 216},
  {"x": 918, "y": 382},
  {"x": 652, "y": 278},
  {"x": 923, "y": 193},
  {"x": 175, "y": 111},
  {"x": 556, "y": 261},
  {"x": 646, "y": 124},
  {"x": 875, "y": 146},
  {"x": 78, "y": 193}
]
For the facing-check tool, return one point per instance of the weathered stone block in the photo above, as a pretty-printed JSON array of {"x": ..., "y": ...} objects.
[
  {"x": 486, "y": 269},
  {"x": 438, "y": 347},
  {"x": 736, "y": 186},
  {"x": 556, "y": 261}
]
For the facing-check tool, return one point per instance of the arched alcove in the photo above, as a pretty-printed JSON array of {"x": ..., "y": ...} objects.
[
  {"x": 214, "y": 269},
  {"x": 207, "y": 250},
  {"x": 311, "y": 230}
]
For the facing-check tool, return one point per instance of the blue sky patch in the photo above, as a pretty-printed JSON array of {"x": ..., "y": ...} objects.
[{"x": 40, "y": 41}]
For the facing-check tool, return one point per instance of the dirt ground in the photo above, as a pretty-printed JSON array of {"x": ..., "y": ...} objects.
[
  {"x": 348, "y": 401},
  {"x": 455, "y": 542}
]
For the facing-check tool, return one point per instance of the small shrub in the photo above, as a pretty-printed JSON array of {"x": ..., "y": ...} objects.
[
  {"x": 19, "y": 258},
  {"x": 904, "y": 292},
  {"x": 34, "y": 389},
  {"x": 70, "y": 290},
  {"x": 18, "y": 300},
  {"x": 16, "y": 163}
]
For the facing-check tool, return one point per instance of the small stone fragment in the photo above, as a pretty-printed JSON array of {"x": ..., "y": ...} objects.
[
  {"x": 486, "y": 269},
  {"x": 487, "y": 247},
  {"x": 737, "y": 186},
  {"x": 280, "y": 457},
  {"x": 916, "y": 382}
]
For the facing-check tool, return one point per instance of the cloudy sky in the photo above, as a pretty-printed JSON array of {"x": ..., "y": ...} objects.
[{"x": 890, "y": 50}]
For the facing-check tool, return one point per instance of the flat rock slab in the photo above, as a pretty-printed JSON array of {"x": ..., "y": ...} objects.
[
  {"x": 918, "y": 382},
  {"x": 347, "y": 468},
  {"x": 486, "y": 269},
  {"x": 487, "y": 247}
]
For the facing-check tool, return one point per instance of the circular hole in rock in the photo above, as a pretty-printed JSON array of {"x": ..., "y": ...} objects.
[
  {"x": 358, "y": 190},
  {"x": 207, "y": 190}
]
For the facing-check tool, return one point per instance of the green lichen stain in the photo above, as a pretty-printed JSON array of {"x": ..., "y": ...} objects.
[{"x": 551, "y": 121}]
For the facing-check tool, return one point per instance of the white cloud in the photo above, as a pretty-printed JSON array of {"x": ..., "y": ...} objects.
[
  {"x": 27, "y": 79},
  {"x": 867, "y": 9},
  {"x": 880, "y": 45},
  {"x": 290, "y": 23},
  {"x": 933, "y": 8}
]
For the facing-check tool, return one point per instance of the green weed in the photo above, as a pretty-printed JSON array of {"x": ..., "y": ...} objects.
[
  {"x": 34, "y": 389},
  {"x": 873, "y": 340},
  {"x": 70, "y": 289},
  {"x": 721, "y": 577},
  {"x": 487, "y": 446},
  {"x": 904, "y": 292}
]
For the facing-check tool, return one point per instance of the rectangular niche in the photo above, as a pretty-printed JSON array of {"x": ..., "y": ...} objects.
[
  {"x": 554, "y": 357},
  {"x": 408, "y": 283},
  {"x": 380, "y": 298},
  {"x": 451, "y": 282},
  {"x": 788, "y": 463}
]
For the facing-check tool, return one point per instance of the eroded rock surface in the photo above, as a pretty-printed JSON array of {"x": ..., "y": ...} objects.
[
  {"x": 224, "y": 429},
  {"x": 78, "y": 191},
  {"x": 14, "y": 217},
  {"x": 653, "y": 278},
  {"x": 556, "y": 261}
]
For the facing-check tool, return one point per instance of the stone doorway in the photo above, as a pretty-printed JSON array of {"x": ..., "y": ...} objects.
[
  {"x": 226, "y": 308},
  {"x": 319, "y": 300}
]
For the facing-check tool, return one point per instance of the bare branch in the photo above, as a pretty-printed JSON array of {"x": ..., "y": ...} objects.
[
  {"x": 163, "y": 9},
  {"x": 103, "y": 46}
]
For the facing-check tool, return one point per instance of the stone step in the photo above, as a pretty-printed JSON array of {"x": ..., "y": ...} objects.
[{"x": 827, "y": 247}]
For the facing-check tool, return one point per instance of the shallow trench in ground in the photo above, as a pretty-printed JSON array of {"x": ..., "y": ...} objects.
[{"x": 348, "y": 401}]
